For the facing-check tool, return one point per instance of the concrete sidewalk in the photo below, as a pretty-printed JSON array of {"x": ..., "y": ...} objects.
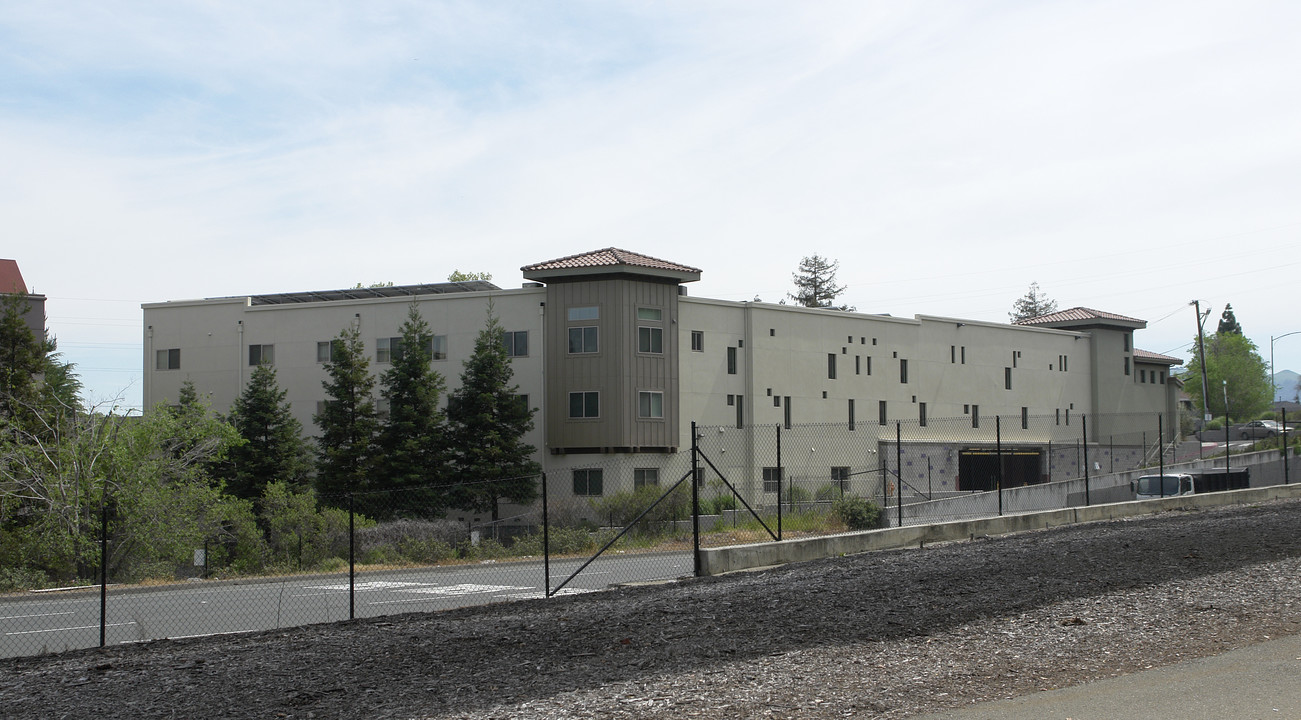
[{"x": 1261, "y": 681}]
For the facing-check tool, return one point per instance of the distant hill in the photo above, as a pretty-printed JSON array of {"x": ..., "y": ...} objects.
[{"x": 1285, "y": 382}]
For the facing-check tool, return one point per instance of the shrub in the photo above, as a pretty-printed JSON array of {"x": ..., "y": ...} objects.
[
  {"x": 829, "y": 492},
  {"x": 13, "y": 579},
  {"x": 622, "y": 508},
  {"x": 857, "y": 513},
  {"x": 408, "y": 540}
]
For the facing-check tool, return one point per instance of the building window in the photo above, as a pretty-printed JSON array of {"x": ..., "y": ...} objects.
[
  {"x": 831, "y": 366},
  {"x": 1126, "y": 341},
  {"x": 851, "y": 414},
  {"x": 589, "y": 481},
  {"x": 1015, "y": 354},
  {"x": 1126, "y": 366},
  {"x": 655, "y": 314},
  {"x": 772, "y": 479},
  {"x": 740, "y": 411},
  {"x": 731, "y": 361},
  {"x": 386, "y": 348},
  {"x": 697, "y": 341},
  {"x": 975, "y": 416},
  {"x": 1025, "y": 418},
  {"x": 1007, "y": 378},
  {"x": 650, "y": 404},
  {"x": 650, "y": 340},
  {"x": 1059, "y": 416},
  {"x": 921, "y": 414},
  {"x": 869, "y": 365},
  {"x": 858, "y": 364},
  {"x": 1142, "y": 375},
  {"x": 585, "y": 404},
  {"x": 523, "y": 400},
  {"x": 787, "y": 411},
  {"x": 383, "y": 408},
  {"x": 880, "y": 408},
  {"x": 776, "y": 400},
  {"x": 1064, "y": 359},
  {"x": 438, "y": 347},
  {"x": 168, "y": 359},
  {"x": 583, "y": 339},
  {"x": 645, "y": 477},
  {"x": 584, "y": 313},
  {"x": 962, "y": 355},
  {"x": 261, "y": 354},
  {"x": 953, "y": 354},
  {"x": 327, "y": 351},
  {"x": 1163, "y": 377},
  {"x": 1068, "y": 416},
  {"x": 516, "y": 343},
  {"x": 903, "y": 371}
]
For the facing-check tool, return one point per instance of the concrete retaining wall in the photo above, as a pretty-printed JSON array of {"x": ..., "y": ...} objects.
[{"x": 715, "y": 561}]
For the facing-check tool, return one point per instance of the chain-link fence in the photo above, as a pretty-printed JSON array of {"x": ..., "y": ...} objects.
[{"x": 293, "y": 557}]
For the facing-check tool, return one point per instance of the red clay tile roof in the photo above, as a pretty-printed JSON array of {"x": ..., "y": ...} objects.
[
  {"x": 609, "y": 257},
  {"x": 11, "y": 280},
  {"x": 1152, "y": 357},
  {"x": 1078, "y": 314}
]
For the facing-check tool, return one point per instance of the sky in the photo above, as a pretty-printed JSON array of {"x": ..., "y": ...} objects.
[{"x": 1127, "y": 156}]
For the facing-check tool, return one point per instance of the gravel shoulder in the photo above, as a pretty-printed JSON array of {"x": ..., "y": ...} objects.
[{"x": 887, "y": 634}]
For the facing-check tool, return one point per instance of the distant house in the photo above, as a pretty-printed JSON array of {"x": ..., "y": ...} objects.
[{"x": 11, "y": 283}]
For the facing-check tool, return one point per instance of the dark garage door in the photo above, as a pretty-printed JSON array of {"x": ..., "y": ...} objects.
[{"x": 978, "y": 469}]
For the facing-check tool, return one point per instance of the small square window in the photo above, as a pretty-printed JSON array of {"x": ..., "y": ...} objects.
[
  {"x": 168, "y": 359},
  {"x": 772, "y": 479},
  {"x": 261, "y": 354},
  {"x": 583, "y": 339},
  {"x": 650, "y": 340},
  {"x": 516, "y": 343},
  {"x": 590, "y": 481},
  {"x": 645, "y": 477},
  {"x": 697, "y": 341},
  {"x": 585, "y": 404},
  {"x": 650, "y": 404}
]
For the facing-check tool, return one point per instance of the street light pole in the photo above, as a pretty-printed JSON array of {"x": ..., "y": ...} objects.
[{"x": 1273, "y": 384}]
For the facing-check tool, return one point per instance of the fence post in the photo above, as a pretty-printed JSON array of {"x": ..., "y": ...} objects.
[
  {"x": 103, "y": 566},
  {"x": 1084, "y": 442},
  {"x": 998, "y": 453},
  {"x": 546, "y": 541},
  {"x": 695, "y": 499},
  {"x": 781, "y": 473},
  {"x": 898, "y": 474},
  {"x": 1285, "y": 448},
  {"x": 352, "y": 563}
]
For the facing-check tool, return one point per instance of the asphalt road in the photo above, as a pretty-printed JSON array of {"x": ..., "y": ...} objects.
[{"x": 57, "y": 621}]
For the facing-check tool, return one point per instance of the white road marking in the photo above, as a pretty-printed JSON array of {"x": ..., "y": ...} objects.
[
  {"x": 84, "y": 627},
  {"x": 15, "y": 617}
]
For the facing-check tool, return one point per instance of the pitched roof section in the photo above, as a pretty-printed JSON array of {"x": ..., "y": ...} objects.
[
  {"x": 607, "y": 261},
  {"x": 11, "y": 280},
  {"x": 1082, "y": 317},
  {"x": 1151, "y": 357}
]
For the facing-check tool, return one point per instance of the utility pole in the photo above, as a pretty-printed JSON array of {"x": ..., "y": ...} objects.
[{"x": 1201, "y": 350}]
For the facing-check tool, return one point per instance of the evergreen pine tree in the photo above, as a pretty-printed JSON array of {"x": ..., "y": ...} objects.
[
  {"x": 815, "y": 283},
  {"x": 489, "y": 419},
  {"x": 412, "y": 443},
  {"x": 1032, "y": 305},
  {"x": 347, "y": 422},
  {"x": 273, "y": 449},
  {"x": 1228, "y": 322}
]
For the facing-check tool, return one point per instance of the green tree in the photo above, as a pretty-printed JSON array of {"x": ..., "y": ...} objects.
[
  {"x": 815, "y": 283},
  {"x": 412, "y": 443},
  {"x": 1232, "y": 357},
  {"x": 347, "y": 423},
  {"x": 458, "y": 276},
  {"x": 1228, "y": 322},
  {"x": 489, "y": 420},
  {"x": 1032, "y": 305},
  {"x": 273, "y": 449}
]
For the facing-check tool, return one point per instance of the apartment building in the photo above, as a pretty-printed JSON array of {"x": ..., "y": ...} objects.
[{"x": 619, "y": 360}]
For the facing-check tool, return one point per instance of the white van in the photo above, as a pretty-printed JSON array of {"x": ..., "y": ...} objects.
[{"x": 1156, "y": 486}]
